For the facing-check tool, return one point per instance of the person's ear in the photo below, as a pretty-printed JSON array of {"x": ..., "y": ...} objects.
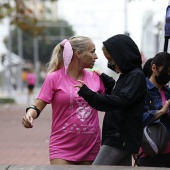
[
  {"x": 153, "y": 68},
  {"x": 78, "y": 54}
]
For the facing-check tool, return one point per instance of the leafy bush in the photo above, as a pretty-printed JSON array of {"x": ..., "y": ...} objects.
[{"x": 6, "y": 100}]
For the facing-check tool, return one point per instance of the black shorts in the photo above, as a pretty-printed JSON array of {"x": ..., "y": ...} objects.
[{"x": 30, "y": 87}]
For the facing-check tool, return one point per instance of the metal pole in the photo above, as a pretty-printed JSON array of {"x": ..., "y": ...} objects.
[
  {"x": 20, "y": 54},
  {"x": 125, "y": 15},
  {"x": 9, "y": 61},
  {"x": 36, "y": 60}
]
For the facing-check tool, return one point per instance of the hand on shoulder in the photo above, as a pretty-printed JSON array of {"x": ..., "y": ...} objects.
[{"x": 97, "y": 72}]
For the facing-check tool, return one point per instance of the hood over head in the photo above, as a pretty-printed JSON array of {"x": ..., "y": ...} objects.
[{"x": 124, "y": 52}]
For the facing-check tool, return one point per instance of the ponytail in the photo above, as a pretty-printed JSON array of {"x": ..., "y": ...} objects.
[{"x": 147, "y": 68}]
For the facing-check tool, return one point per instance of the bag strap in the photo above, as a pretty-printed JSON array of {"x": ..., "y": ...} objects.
[{"x": 137, "y": 157}]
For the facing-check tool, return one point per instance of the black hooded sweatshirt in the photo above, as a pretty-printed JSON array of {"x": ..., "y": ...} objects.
[{"x": 124, "y": 101}]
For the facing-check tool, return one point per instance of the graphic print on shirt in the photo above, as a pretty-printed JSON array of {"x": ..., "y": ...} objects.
[{"x": 83, "y": 111}]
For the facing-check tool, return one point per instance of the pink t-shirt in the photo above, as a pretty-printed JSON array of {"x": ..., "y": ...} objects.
[
  {"x": 75, "y": 131},
  {"x": 31, "y": 78}
]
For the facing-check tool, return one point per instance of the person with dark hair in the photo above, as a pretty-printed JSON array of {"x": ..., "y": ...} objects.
[
  {"x": 123, "y": 104},
  {"x": 75, "y": 131},
  {"x": 157, "y": 71},
  {"x": 147, "y": 68}
]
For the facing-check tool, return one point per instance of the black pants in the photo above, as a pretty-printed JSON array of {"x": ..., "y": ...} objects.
[{"x": 161, "y": 160}]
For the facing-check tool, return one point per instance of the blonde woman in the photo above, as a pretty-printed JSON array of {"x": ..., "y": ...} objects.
[{"x": 75, "y": 133}]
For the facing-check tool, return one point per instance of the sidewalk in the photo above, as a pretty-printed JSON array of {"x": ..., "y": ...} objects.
[
  {"x": 74, "y": 167},
  {"x": 19, "y": 145},
  {"x": 22, "y": 146}
]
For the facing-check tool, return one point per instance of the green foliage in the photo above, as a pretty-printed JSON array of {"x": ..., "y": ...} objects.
[
  {"x": 45, "y": 45},
  {"x": 6, "y": 10},
  {"x": 7, "y": 100},
  {"x": 20, "y": 14}
]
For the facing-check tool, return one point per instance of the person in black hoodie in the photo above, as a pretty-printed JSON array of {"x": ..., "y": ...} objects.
[{"x": 123, "y": 104}]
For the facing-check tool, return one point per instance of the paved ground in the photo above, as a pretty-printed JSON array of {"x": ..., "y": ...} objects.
[
  {"x": 74, "y": 167},
  {"x": 19, "y": 145},
  {"x": 24, "y": 146}
]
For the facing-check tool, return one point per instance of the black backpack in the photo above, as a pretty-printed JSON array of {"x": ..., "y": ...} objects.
[
  {"x": 155, "y": 136},
  {"x": 155, "y": 139}
]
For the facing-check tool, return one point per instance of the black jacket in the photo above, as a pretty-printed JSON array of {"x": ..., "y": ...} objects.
[{"x": 124, "y": 106}]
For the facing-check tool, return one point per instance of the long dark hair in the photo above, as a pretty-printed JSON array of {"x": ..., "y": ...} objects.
[{"x": 160, "y": 59}]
